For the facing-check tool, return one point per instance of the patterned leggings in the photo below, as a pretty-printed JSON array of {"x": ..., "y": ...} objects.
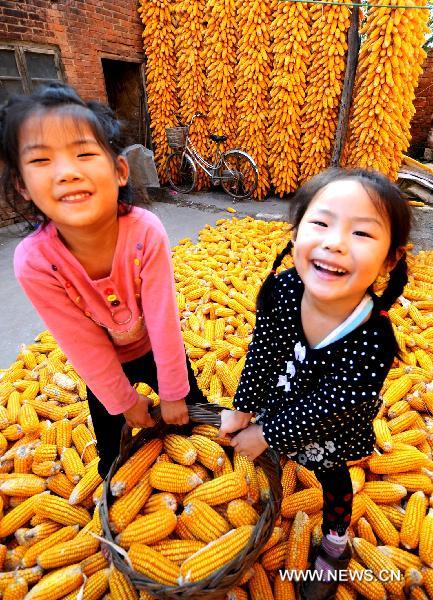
[{"x": 337, "y": 499}]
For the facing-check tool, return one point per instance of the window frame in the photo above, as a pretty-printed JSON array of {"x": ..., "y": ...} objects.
[{"x": 25, "y": 78}]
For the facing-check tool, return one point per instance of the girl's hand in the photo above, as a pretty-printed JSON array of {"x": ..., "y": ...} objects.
[
  {"x": 138, "y": 415},
  {"x": 174, "y": 413},
  {"x": 233, "y": 420},
  {"x": 250, "y": 442}
]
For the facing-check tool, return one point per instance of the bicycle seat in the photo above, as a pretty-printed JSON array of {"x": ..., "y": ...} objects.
[{"x": 217, "y": 138}]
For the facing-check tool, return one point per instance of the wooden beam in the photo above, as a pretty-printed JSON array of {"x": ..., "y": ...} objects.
[{"x": 354, "y": 43}]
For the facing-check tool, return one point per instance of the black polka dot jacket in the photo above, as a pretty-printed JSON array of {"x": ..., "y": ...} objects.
[{"x": 316, "y": 406}]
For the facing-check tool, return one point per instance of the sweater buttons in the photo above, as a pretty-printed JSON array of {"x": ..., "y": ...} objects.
[
  {"x": 139, "y": 246},
  {"x": 115, "y": 303},
  {"x": 111, "y": 298},
  {"x": 136, "y": 261}
]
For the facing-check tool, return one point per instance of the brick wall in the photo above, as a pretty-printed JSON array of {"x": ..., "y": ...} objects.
[
  {"x": 423, "y": 119},
  {"x": 84, "y": 31}
]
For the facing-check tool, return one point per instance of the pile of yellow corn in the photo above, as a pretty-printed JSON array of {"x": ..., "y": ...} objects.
[
  {"x": 290, "y": 30},
  {"x": 389, "y": 66},
  {"x": 49, "y": 485},
  {"x": 325, "y": 75},
  {"x": 191, "y": 74},
  {"x": 161, "y": 78}
]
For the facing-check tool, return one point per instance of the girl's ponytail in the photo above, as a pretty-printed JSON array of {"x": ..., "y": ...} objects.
[
  {"x": 265, "y": 296},
  {"x": 397, "y": 281}
]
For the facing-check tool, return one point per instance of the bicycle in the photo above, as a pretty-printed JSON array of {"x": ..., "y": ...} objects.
[{"x": 234, "y": 169}]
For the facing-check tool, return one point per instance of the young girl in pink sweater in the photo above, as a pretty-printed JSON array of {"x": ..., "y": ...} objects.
[{"x": 97, "y": 270}]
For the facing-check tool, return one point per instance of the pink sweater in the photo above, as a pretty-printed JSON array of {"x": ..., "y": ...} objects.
[{"x": 102, "y": 323}]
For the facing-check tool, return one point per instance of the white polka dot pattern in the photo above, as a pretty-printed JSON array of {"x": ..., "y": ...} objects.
[{"x": 316, "y": 406}]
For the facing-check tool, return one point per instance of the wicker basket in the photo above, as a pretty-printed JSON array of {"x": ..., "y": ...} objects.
[
  {"x": 176, "y": 136},
  {"x": 227, "y": 577}
]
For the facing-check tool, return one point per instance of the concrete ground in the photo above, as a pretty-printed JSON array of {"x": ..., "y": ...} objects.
[{"x": 182, "y": 216}]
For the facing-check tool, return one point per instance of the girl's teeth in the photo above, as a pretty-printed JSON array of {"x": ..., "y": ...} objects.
[{"x": 329, "y": 268}]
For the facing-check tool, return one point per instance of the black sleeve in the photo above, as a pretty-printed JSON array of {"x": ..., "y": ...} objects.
[
  {"x": 347, "y": 396},
  {"x": 254, "y": 386}
]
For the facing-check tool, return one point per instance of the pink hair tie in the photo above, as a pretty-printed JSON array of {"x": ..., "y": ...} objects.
[
  {"x": 273, "y": 271},
  {"x": 384, "y": 313}
]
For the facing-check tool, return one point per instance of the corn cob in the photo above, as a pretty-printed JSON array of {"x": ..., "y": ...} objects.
[
  {"x": 148, "y": 529},
  {"x": 426, "y": 539},
  {"x": 16, "y": 590},
  {"x": 94, "y": 563},
  {"x": 86, "y": 486},
  {"x": 84, "y": 443},
  {"x": 412, "y": 521},
  {"x": 158, "y": 501},
  {"x": 120, "y": 586},
  {"x": 401, "y": 558},
  {"x": 309, "y": 500},
  {"x": 178, "y": 550},
  {"x": 209, "y": 453},
  {"x": 18, "y": 516},
  {"x": 59, "y": 510},
  {"x": 382, "y": 527},
  {"x": 171, "y": 477},
  {"x": 298, "y": 543},
  {"x": 384, "y": 491},
  {"x": 365, "y": 531},
  {"x": 203, "y": 521},
  {"x": 124, "y": 510},
  {"x": 397, "y": 461},
  {"x": 259, "y": 586},
  {"x": 379, "y": 563},
  {"x": 222, "y": 489},
  {"x": 60, "y": 485},
  {"x": 240, "y": 512},
  {"x": 153, "y": 564},
  {"x": 368, "y": 587},
  {"x": 72, "y": 465},
  {"x": 215, "y": 555},
  {"x": 135, "y": 467},
  {"x": 68, "y": 552},
  {"x": 23, "y": 485},
  {"x": 57, "y": 584}
]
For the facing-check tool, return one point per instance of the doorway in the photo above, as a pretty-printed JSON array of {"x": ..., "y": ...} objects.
[{"x": 124, "y": 83}]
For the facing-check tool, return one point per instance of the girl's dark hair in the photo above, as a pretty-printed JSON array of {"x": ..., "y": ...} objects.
[
  {"x": 106, "y": 128},
  {"x": 388, "y": 201}
]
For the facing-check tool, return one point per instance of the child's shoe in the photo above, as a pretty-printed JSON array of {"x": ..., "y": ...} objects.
[{"x": 316, "y": 589}]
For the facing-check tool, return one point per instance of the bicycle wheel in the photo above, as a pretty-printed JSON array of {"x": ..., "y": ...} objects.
[
  {"x": 239, "y": 174},
  {"x": 181, "y": 172}
]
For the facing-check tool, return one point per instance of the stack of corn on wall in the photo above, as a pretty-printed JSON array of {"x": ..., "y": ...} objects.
[
  {"x": 191, "y": 73},
  {"x": 254, "y": 65},
  {"x": 325, "y": 75},
  {"x": 290, "y": 30},
  {"x": 47, "y": 445},
  {"x": 220, "y": 45},
  {"x": 389, "y": 66},
  {"x": 272, "y": 73},
  {"x": 159, "y": 46}
]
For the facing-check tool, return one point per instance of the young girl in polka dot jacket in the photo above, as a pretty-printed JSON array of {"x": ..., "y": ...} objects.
[
  {"x": 323, "y": 344},
  {"x": 97, "y": 269}
]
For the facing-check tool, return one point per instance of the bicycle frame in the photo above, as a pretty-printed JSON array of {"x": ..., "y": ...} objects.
[{"x": 210, "y": 169}]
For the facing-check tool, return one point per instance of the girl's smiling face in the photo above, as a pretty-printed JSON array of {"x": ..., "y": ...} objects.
[
  {"x": 342, "y": 244},
  {"x": 66, "y": 172}
]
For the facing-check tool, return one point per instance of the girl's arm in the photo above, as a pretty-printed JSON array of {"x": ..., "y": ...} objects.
[
  {"x": 84, "y": 342},
  {"x": 254, "y": 387},
  {"x": 158, "y": 296},
  {"x": 337, "y": 404}
]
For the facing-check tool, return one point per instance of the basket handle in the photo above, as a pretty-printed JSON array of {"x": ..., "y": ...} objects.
[{"x": 198, "y": 413}]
